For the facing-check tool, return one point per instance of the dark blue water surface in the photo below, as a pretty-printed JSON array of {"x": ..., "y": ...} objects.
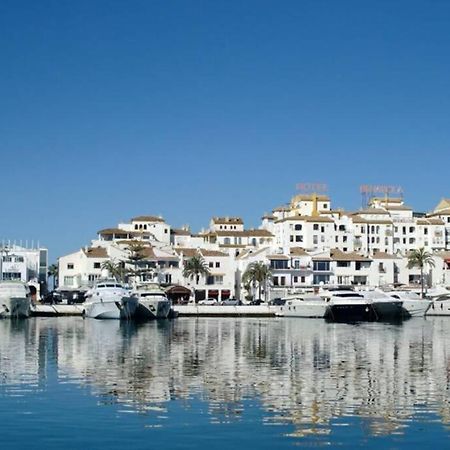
[{"x": 220, "y": 383}]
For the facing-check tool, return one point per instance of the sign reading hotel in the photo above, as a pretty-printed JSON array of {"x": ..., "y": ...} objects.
[{"x": 308, "y": 188}]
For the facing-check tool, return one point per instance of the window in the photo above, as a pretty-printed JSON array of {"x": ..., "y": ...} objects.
[
  {"x": 318, "y": 279},
  {"x": 295, "y": 279},
  {"x": 425, "y": 230},
  {"x": 291, "y": 238},
  {"x": 165, "y": 230},
  {"x": 322, "y": 229},
  {"x": 302, "y": 279},
  {"x": 323, "y": 266},
  {"x": 298, "y": 238},
  {"x": 217, "y": 264},
  {"x": 69, "y": 266},
  {"x": 316, "y": 227},
  {"x": 211, "y": 264},
  {"x": 68, "y": 281},
  {"x": 343, "y": 264},
  {"x": 278, "y": 264},
  {"x": 296, "y": 264},
  {"x": 315, "y": 240},
  {"x": 97, "y": 265},
  {"x": 344, "y": 238},
  {"x": 298, "y": 227}
]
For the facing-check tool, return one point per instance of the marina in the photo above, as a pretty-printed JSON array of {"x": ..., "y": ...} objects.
[{"x": 264, "y": 382}]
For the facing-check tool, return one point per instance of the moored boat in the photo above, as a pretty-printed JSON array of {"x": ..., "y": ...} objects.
[
  {"x": 152, "y": 302},
  {"x": 412, "y": 304},
  {"x": 303, "y": 305},
  {"x": 385, "y": 307},
  {"x": 349, "y": 306},
  {"x": 15, "y": 299},
  {"x": 108, "y": 299},
  {"x": 439, "y": 306}
]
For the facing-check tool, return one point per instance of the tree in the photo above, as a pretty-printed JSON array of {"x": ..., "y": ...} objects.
[
  {"x": 136, "y": 250},
  {"x": 257, "y": 273},
  {"x": 53, "y": 271},
  {"x": 195, "y": 267},
  {"x": 115, "y": 270},
  {"x": 420, "y": 258}
]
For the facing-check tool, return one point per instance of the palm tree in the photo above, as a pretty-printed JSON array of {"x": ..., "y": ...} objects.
[
  {"x": 420, "y": 258},
  {"x": 115, "y": 269},
  {"x": 257, "y": 272},
  {"x": 53, "y": 271},
  {"x": 195, "y": 267}
]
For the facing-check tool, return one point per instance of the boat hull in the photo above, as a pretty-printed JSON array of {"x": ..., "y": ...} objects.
[
  {"x": 15, "y": 307},
  {"x": 151, "y": 309},
  {"x": 415, "y": 308},
  {"x": 122, "y": 308},
  {"x": 344, "y": 312},
  {"x": 387, "y": 310},
  {"x": 439, "y": 308},
  {"x": 305, "y": 309}
]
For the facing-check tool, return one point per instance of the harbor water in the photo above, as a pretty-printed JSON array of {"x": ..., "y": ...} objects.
[{"x": 222, "y": 383}]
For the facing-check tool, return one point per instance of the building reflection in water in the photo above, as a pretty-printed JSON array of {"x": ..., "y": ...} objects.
[{"x": 302, "y": 372}]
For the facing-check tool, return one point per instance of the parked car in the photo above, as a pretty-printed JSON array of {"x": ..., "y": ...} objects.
[
  {"x": 277, "y": 301},
  {"x": 256, "y": 302},
  {"x": 52, "y": 298},
  {"x": 231, "y": 302},
  {"x": 209, "y": 301}
]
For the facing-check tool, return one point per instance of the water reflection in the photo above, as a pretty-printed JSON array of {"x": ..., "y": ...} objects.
[{"x": 302, "y": 372}]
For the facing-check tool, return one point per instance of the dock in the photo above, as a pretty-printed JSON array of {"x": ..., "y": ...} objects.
[
  {"x": 182, "y": 310},
  {"x": 56, "y": 310},
  {"x": 225, "y": 311}
]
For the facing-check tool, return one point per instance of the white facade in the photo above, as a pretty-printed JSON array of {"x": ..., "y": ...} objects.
[{"x": 306, "y": 243}]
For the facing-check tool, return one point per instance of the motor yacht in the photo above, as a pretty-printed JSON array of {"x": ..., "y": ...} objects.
[
  {"x": 109, "y": 299},
  {"x": 386, "y": 308},
  {"x": 15, "y": 299},
  {"x": 348, "y": 306},
  {"x": 413, "y": 305},
  {"x": 303, "y": 305},
  {"x": 153, "y": 302}
]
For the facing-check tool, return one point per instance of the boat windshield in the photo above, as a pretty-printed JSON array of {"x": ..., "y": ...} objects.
[{"x": 347, "y": 294}]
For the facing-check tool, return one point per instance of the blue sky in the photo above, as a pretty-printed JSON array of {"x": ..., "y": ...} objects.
[{"x": 111, "y": 109}]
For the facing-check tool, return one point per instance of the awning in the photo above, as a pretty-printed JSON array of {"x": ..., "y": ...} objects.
[{"x": 180, "y": 290}]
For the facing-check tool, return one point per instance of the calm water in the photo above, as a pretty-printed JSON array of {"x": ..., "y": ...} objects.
[{"x": 217, "y": 383}]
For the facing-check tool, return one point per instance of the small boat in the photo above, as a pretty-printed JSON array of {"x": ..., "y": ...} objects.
[
  {"x": 386, "y": 308},
  {"x": 348, "y": 306},
  {"x": 153, "y": 302},
  {"x": 108, "y": 299},
  {"x": 412, "y": 304},
  {"x": 303, "y": 305},
  {"x": 15, "y": 299}
]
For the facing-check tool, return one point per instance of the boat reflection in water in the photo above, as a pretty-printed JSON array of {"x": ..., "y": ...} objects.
[{"x": 305, "y": 374}]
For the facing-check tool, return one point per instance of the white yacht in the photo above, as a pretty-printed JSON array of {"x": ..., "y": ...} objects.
[
  {"x": 15, "y": 299},
  {"x": 303, "y": 305},
  {"x": 413, "y": 305},
  {"x": 108, "y": 299},
  {"x": 439, "y": 306},
  {"x": 153, "y": 302}
]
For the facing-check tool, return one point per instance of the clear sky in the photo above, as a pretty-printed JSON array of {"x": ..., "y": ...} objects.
[{"x": 189, "y": 109}]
